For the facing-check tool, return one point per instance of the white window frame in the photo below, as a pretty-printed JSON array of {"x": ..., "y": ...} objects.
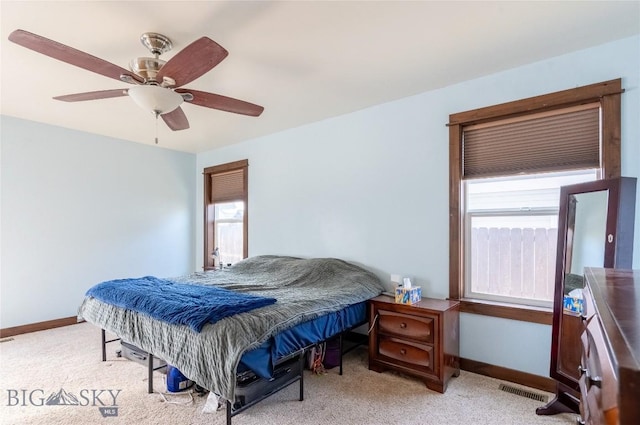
[
  {"x": 218, "y": 233},
  {"x": 469, "y": 293},
  {"x": 571, "y": 177}
]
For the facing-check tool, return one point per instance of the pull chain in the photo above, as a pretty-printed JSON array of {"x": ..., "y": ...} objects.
[{"x": 157, "y": 114}]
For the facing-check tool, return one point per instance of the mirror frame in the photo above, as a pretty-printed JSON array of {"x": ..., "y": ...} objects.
[{"x": 618, "y": 252}]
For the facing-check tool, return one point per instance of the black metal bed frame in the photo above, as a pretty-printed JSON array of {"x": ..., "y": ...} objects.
[{"x": 231, "y": 409}]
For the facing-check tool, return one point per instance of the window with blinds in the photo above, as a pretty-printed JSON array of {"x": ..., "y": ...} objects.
[
  {"x": 513, "y": 170},
  {"x": 506, "y": 165},
  {"x": 225, "y": 214}
]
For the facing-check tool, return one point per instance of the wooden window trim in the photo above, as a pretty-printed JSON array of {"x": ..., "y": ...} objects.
[
  {"x": 208, "y": 206},
  {"x": 607, "y": 93},
  {"x": 230, "y": 166}
]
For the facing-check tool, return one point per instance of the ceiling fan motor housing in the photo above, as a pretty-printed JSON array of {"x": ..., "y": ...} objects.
[{"x": 146, "y": 67}]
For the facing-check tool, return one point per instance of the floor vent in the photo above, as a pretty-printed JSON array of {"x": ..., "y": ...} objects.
[
  {"x": 6, "y": 339},
  {"x": 524, "y": 393}
]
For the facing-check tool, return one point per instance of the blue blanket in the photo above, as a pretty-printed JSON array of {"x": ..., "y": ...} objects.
[{"x": 177, "y": 303}]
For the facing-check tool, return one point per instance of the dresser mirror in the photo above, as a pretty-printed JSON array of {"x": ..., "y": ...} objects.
[{"x": 595, "y": 229}]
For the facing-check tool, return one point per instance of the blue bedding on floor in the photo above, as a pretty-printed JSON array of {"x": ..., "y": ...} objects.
[
  {"x": 177, "y": 303},
  {"x": 262, "y": 359}
]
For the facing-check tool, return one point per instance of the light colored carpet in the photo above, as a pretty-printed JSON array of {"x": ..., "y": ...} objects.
[{"x": 69, "y": 358}]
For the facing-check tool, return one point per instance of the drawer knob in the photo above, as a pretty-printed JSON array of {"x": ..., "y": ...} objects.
[
  {"x": 403, "y": 325},
  {"x": 403, "y": 351},
  {"x": 581, "y": 370}
]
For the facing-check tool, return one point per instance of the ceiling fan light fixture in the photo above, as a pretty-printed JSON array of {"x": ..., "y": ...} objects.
[{"x": 155, "y": 99}]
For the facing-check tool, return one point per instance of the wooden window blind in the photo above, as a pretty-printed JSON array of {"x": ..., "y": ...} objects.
[
  {"x": 566, "y": 139},
  {"x": 228, "y": 186},
  {"x": 226, "y": 182}
]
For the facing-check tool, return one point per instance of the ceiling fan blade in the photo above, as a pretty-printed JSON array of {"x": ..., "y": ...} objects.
[
  {"x": 223, "y": 103},
  {"x": 176, "y": 119},
  {"x": 92, "y": 95},
  {"x": 69, "y": 55},
  {"x": 193, "y": 61}
]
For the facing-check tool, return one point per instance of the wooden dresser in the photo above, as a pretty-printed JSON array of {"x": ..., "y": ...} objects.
[
  {"x": 420, "y": 339},
  {"x": 610, "y": 366}
]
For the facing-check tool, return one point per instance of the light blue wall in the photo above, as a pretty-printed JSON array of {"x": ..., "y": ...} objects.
[
  {"x": 372, "y": 186},
  {"x": 78, "y": 209}
]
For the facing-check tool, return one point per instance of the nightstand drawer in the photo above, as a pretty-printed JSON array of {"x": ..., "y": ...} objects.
[
  {"x": 414, "y": 354},
  {"x": 414, "y": 327}
]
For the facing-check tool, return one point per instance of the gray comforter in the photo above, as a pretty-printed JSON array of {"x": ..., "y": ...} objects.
[{"x": 304, "y": 288}]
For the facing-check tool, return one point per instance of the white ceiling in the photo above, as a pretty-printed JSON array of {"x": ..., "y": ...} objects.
[{"x": 304, "y": 61}]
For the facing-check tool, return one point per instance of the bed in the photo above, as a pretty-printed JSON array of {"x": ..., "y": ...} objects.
[{"x": 313, "y": 299}]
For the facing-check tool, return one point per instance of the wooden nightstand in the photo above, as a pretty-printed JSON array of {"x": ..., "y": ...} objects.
[{"x": 420, "y": 339}]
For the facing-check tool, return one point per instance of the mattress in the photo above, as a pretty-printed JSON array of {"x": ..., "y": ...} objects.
[{"x": 262, "y": 359}]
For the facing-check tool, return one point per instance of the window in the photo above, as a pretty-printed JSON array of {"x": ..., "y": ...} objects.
[
  {"x": 225, "y": 213},
  {"x": 511, "y": 229},
  {"x": 507, "y": 163}
]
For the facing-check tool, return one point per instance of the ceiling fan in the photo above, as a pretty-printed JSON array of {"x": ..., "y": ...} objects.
[{"x": 157, "y": 84}]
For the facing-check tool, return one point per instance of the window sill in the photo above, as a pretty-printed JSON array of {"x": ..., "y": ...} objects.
[{"x": 531, "y": 314}]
